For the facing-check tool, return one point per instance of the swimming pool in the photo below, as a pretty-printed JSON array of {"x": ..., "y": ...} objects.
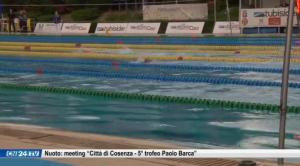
[{"x": 227, "y": 125}]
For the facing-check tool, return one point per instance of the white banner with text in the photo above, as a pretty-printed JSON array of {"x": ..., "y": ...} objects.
[
  {"x": 76, "y": 28},
  {"x": 48, "y": 28},
  {"x": 185, "y": 27},
  {"x": 224, "y": 27},
  {"x": 143, "y": 28}
]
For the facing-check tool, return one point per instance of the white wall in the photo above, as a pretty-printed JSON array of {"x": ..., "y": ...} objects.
[{"x": 169, "y": 12}]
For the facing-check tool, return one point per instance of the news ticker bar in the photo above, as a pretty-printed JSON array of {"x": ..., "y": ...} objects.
[{"x": 147, "y": 153}]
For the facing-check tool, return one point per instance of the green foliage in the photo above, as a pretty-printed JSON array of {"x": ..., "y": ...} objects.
[
  {"x": 86, "y": 14},
  {"x": 234, "y": 13},
  {"x": 34, "y": 14},
  {"x": 221, "y": 4},
  {"x": 45, "y": 18},
  {"x": 123, "y": 16}
]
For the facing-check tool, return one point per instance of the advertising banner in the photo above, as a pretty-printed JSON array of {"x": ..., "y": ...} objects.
[
  {"x": 224, "y": 27},
  {"x": 264, "y": 17},
  {"x": 143, "y": 28},
  {"x": 76, "y": 28},
  {"x": 185, "y": 28},
  {"x": 48, "y": 28}
]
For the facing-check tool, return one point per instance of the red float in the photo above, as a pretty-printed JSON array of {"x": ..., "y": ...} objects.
[
  {"x": 39, "y": 71},
  {"x": 27, "y": 48},
  {"x": 158, "y": 40},
  {"x": 180, "y": 58},
  {"x": 115, "y": 65},
  {"x": 194, "y": 37},
  {"x": 120, "y": 42},
  {"x": 237, "y": 52},
  {"x": 77, "y": 45}
]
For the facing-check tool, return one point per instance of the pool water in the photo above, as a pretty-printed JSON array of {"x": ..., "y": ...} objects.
[
  {"x": 256, "y": 94},
  {"x": 188, "y": 125},
  {"x": 196, "y": 126},
  {"x": 184, "y": 124}
]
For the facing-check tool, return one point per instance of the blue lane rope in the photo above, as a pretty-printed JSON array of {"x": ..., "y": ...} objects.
[
  {"x": 162, "y": 78},
  {"x": 149, "y": 40},
  {"x": 142, "y": 65}
]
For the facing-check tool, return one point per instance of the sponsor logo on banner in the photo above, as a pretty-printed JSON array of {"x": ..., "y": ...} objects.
[
  {"x": 265, "y": 17},
  {"x": 111, "y": 28},
  {"x": 185, "y": 28},
  {"x": 224, "y": 27},
  {"x": 76, "y": 28},
  {"x": 47, "y": 28},
  {"x": 143, "y": 28},
  {"x": 275, "y": 21},
  {"x": 259, "y": 14}
]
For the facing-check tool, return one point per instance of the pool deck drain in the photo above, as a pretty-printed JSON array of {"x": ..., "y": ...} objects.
[{"x": 26, "y": 136}]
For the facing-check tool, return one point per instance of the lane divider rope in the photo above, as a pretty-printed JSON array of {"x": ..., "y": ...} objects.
[
  {"x": 147, "y": 58},
  {"x": 160, "y": 47},
  {"x": 162, "y": 78},
  {"x": 151, "y": 40},
  {"x": 144, "y": 65},
  {"x": 199, "y": 51},
  {"x": 240, "y": 106}
]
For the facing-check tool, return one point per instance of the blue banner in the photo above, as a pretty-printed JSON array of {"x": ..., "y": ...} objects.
[{"x": 20, "y": 153}]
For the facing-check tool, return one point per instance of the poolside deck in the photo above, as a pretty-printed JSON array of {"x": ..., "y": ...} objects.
[{"x": 24, "y": 136}]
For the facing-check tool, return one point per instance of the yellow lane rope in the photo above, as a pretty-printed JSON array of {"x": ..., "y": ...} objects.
[
  {"x": 214, "y": 52},
  {"x": 136, "y": 57},
  {"x": 164, "y": 47}
]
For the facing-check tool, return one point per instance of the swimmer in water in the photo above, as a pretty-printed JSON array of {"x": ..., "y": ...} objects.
[
  {"x": 142, "y": 59},
  {"x": 85, "y": 50}
]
